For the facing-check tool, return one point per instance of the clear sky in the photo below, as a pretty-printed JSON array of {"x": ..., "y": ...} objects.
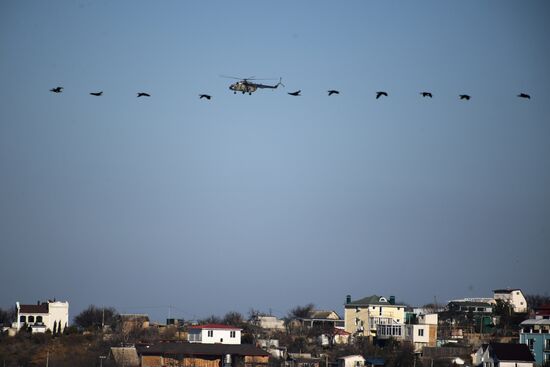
[{"x": 271, "y": 201}]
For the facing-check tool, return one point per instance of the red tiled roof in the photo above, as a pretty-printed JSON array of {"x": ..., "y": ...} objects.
[
  {"x": 340, "y": 332},
  {"x": 42, "y": 308},
  {"x": 214, "y": 326},
  {"x": 543, "y": 310}
]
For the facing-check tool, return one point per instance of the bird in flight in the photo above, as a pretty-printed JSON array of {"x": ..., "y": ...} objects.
[
  {"x": 57, "y": 90},
  {"x": 143, "y": 94},
  {"x": 380, "y": 94},
  {"x": 465, "y": 96},
  {"x": 426, "y": 94},
  {"x": 201, "y": 96},
  {"x": 97, "y": 94},
  {"x": 297, "y": 93},
  {"x": 523, "y": 95},
  {"x": 332, "y": 91}
]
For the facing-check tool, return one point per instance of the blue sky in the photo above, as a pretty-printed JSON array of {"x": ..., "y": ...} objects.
[{"x": 270, "y": 201}]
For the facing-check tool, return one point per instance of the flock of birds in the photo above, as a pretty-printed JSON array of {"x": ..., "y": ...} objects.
[{"x": 297, "y": 93}]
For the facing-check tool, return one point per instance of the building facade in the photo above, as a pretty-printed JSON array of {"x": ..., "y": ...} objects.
[
  {"x": 214, "y": 334},
  {"x": 43, "y": 316},
  {"x": 362, "y": 317},
  {"x": 535, "y": 333},
  {"x": 514, "y": 297}
]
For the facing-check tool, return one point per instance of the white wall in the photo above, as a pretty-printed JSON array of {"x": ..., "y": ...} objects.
[{"x": 215, "y": 336}]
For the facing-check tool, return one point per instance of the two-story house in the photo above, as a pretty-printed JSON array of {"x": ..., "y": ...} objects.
[
  {"x": 535, "y": 333},
  {"x": 51, "y": 315},
  {"x": 363, "y": 316},
  {"x": 503, "y": 355},
  {"x": 214, "y": 334},
  {"x": 514, "y": 297}
]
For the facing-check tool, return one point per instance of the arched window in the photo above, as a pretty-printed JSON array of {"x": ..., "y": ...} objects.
[
  {"x": 22, "y": 318},
  {"x": 31, "y": 319},
  {"x": 38, "y": 318}
]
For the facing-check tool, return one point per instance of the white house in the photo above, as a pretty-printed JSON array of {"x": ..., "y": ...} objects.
[
  {"x": 351, "y": 361},
  {"x": 269, "y": 322},
  {"x": 51, "y": 315},
  {"x": 214, "y": 334},
  {"x": 503, "y": 355},
  {"x": 514, "y": 297}
]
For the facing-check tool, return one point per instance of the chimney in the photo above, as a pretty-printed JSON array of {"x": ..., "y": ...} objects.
[{"x": 348, "y": 299}]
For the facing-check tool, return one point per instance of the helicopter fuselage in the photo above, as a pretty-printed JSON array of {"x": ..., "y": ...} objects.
[{"x": 243, "y": 87}]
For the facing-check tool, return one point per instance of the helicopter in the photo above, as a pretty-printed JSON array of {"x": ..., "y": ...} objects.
[{"x": 247, "y": 85}]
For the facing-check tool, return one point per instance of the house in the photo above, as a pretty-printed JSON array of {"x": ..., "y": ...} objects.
[
  {"x": 272, "y": 347},
  {"x": 214, "y": 333},
  {"x": 466, "y": 306},
  {"x": 535, "y": 333},
  {"x": 424, "y": 333},
  {"x": 201, "y": 355},
  {"x": 351, "y": 361},
  {"x": 503, "y": 355},
  {"x": 302, "y": 360},
  {"x": 363, "y": 316},
  {"x": 543, "y": 312},
  {"x": 335, "y": 337},
  {"x": 43, "y": 316},
  {"x": 270, "y": 323},
  {"x": 322, "y": 318},
  {"x": 514, "y": 297},
  {"x": 134, "y": 321}
]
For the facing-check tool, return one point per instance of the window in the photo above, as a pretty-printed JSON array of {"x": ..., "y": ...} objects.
[
  {"x": 232, "y": 334},
  {"x": 38, "y": 318},
  {"x": 380, "y": 313},
  {"x": 420, "y": 332},
  {"x": 210, "y": 333},
  {"x": 22, "y": 318},
  {"x": 31, "y": 319},
  {"x": 547, "y": 344},
  {"x": 531, "y": 343}
]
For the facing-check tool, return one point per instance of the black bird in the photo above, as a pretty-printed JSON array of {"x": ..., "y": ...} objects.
[
  {"x": 465, "y": 96},
  {"x": 379, "y": 94},
  {"x": 201, "y": 96},
  {"x": 97, "y": 94},
  {"x": 297, "y": 93},
  {"x": 426, "y": 94},
  {"x": 57, "y": 90},
  {"x": 523, "y": 95},
  {"x": 332, "y": 91},
  {"x": 143, "y": 94}
]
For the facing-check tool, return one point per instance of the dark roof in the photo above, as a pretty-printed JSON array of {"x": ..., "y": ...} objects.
[
  {"x": 371, "y": 300},
  {"x": 471, "y": 304},
  {"x": 41, "y": 308},
  {"x": 198, "y": 349},
  {"x": 214, "y": 326},
  {"x": 511, "y": 352},
  {"x": 375, "y": 361}
]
